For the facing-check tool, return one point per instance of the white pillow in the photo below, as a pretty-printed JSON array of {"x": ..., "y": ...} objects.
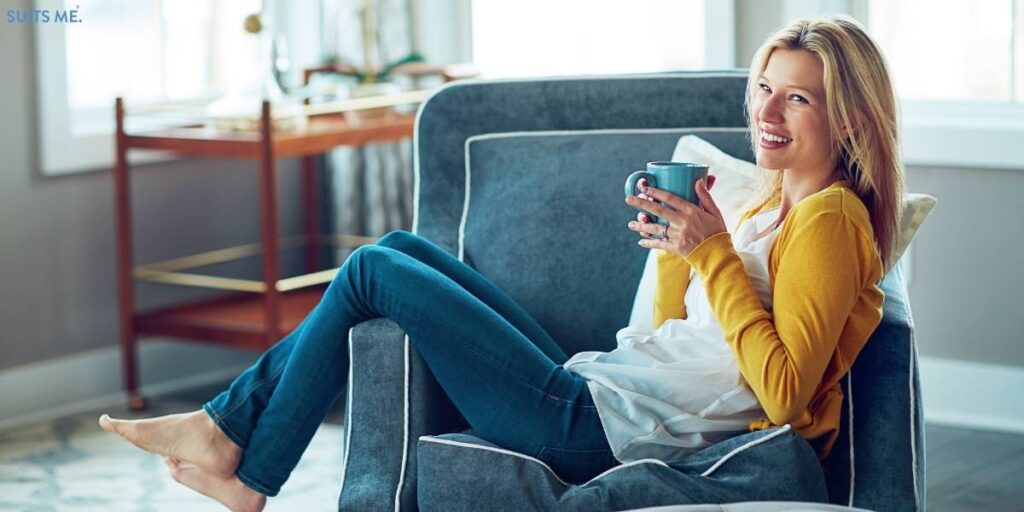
[
  {"x": 736, "y": 180},
  {"x": 916, "y": 208}
]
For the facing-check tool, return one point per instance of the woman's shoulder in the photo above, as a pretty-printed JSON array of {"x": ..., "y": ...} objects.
[
  {"x": 837, "y": 202},
  {"x": 831, "y": 219}
]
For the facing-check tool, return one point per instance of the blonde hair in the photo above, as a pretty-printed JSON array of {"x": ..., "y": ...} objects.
[{"x": 858, "y": 94}]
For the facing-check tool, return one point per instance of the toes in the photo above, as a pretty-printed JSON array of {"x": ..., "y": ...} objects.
[
  {"x": 120, "y": 427},
  {"x": 108, "y": 424}
]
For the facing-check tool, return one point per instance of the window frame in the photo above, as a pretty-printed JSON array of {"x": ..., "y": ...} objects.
[
  {"x": 963, "y": 135},
  {"x": 60, "y": 150}
]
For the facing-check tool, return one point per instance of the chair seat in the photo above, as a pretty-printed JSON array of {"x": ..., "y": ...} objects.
[{"x": 460, "y": 471}]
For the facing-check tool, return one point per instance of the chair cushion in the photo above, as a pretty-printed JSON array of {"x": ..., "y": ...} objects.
[
  {"x": 560, "y": 194},
  {"x": 460, "y": 472}
]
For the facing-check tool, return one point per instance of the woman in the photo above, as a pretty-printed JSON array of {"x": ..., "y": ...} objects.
[{"x": 822, "y": 112}]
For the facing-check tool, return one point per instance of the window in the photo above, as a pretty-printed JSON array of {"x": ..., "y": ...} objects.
[
  {"x": 952, "y": 51},
  {"x": 144, "y": 50},
  {"x": 574, "y": 37},
  {"x": 959, "y": 70}
]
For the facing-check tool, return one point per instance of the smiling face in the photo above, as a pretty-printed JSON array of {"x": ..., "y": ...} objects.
[{"x": 788, "y": 105}]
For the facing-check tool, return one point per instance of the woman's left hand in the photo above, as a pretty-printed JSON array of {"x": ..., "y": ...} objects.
[{"x": 688, "y": 224}]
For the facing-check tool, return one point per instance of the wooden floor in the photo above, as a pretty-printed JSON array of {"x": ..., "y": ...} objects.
[{"x": 973, "y": 470}]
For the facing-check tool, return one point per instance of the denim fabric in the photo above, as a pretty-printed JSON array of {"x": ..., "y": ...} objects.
[{"x": 496, "y": 363}]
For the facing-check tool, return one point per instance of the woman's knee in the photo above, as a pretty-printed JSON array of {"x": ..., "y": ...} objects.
[
  {"x": 371, "y": 255},
  {"x": 397, "y": 239},
  {"x": 406, "y": 242},
  {"x": 364, "y": 265}
]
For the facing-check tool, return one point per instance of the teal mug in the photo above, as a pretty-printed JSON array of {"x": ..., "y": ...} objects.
[{"x": 679, "y": 178}]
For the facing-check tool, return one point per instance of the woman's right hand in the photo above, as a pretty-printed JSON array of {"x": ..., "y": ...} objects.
[{"x": 642, "y": 217}]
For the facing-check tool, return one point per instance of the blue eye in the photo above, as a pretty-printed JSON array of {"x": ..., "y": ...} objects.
[
  {"x": 799, "y": 98},
  {"x": 764, "y": 88}
]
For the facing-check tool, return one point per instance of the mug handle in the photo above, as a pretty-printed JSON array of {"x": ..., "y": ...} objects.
[{"x": 631, "y": 189}]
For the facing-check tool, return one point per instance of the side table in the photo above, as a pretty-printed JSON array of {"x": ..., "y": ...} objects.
[{"x": 252, "y": 314}]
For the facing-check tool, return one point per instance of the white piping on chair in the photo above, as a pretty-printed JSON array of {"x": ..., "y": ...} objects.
[
  {"x": 565, "y": 78},
  {"x": 602, "y": 131},
  {"x": 405, "y": 437},
  {"x": 785, "y": 428},
  {"x": 465, "y": 205},
  {"x": 432, "y": 439},
  {"x": 913, "y": 416},
  {"x": 348, "y": 415},
  {"x": 547, "y": 133},
  {"x": 853, "y": 466},
  {"x": 416, "y": 165}
]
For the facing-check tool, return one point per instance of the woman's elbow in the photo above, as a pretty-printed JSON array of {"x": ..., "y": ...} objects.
[
  {"x": 782, "y": 414},
  {"x": 788, "y": 400}
]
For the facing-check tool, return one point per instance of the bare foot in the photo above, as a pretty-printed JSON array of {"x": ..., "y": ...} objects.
[
  {"x": 229, "y": 491},
  {"x": 189, "y": 437}
]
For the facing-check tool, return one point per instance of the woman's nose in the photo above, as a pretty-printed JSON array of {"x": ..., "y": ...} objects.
[{"x": 770, "y": 111}]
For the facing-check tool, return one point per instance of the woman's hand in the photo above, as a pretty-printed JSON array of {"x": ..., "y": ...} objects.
[{"x": 688, "y": 224}]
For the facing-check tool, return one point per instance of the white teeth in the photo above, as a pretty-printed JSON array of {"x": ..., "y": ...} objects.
[{"x": 774, "y": 138}]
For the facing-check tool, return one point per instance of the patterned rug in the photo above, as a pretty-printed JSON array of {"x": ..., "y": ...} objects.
[{"x": 70, "y": 464}]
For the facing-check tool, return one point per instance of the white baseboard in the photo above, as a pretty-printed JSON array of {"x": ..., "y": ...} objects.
[
  {"x": 92, "y": 380},
  {"x": 973, "y": 395}
]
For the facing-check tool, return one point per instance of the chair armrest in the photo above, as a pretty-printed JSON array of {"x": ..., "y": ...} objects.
[{"x": 391, "y": 399}]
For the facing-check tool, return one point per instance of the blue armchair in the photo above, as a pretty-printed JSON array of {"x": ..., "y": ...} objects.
[{"x": 522, "y": 179}]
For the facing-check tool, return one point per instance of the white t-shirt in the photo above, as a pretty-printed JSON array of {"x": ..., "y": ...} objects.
[{"x": 668, "y": 393}]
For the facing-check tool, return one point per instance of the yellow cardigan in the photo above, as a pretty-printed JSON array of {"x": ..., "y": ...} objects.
[{"x": 824, "y": 270}]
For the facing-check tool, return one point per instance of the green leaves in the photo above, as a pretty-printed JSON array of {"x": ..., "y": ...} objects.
[{"x": 368, "y": 76}]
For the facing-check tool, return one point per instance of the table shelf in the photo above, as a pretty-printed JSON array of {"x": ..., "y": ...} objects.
[
  {"x": 322, "y": 133},
  {"x": 236, "y": 320},
  {"x": 169, "y": 271}
]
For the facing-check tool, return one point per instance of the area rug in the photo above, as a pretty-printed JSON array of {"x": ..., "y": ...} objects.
[{"x": 69, "y": 464}]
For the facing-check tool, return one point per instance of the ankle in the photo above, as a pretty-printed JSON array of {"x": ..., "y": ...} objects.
[
  {"x": 212, "y": 430},
  {"x": 250, "y": 498}
]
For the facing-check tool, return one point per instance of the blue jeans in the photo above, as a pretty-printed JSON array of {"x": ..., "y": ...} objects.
[{"x": 499, "y": 367}]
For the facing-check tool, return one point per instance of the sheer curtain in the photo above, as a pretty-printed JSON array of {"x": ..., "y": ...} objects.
[{"x": 368, "y": 189}]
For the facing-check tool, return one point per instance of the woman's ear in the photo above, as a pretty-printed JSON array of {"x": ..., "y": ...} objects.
[{"x": 850, "y": 129}]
